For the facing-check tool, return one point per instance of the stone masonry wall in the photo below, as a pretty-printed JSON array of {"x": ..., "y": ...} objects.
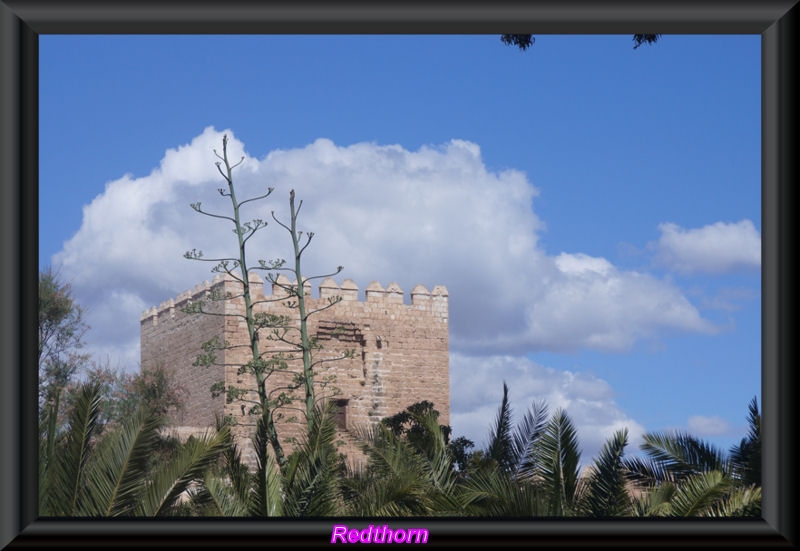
[
  {"x": 399, "y": 353},
  {"x": 173, "y": 339}
]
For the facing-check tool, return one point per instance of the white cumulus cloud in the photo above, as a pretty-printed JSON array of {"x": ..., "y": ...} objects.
[
  {"x": 701, "y": 426},
  {"x": 588, "y": 303},
  {"x": 715, "y": 248},
  {"x": 432, "y": 216}
]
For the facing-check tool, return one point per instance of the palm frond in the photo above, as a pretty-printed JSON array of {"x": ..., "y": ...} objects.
[
  {"x": 48, "y": 440},
  {"x": 681, "y": 455},
  {"x": 399, "y": 479},
  {"x": 66, "y": 484},
  {"x": 490, "y": 493},
  {"x": 740, "y": 502},
  {"x": 217, "y": 497},
  {"x": 606, "y": 495},
  {"x": 48, "y": 435},
  {"x": 234, "y": 469},
  {"x": 401, "y": 495},
  {"x": 237, "y": 472},
  {"x": 312, "y": 475},
  {"x": 557, "y": 457},
  {"x": 746, "y": 456},
  {"x": 526, "y": 436},
  {"x": 699, "y": 494},
  {"x": 645, "y": 472},
  {"x": 267, "y": 497},
  {"x": 397, "y": 465},
  {"x": 439, "y": 461},
  {"x": 173, "y": 479},
  {"x": 119, "y": 466},
  {"x": 655, "y": 502},
  {"x": 501, "y": 446}
]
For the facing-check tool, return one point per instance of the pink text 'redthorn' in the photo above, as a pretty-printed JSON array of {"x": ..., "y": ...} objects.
[{"x": 381, "y": 534}]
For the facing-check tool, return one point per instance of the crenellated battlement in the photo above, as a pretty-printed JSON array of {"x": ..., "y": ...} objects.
[{"x": 420, "y": 296}]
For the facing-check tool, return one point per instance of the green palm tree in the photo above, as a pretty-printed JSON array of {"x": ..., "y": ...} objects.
[
  {"x": 86, "y": 474},
  {"x": 265, "y": 499},
  {"x": 492, "y": 493},
  {"x": 310, "y": 485},
  {"x": 403, "y": 476},
  {"x": 685, "y": 476},
  {"x": 707, "y": 494},
  {"x": 674, "y": 457},
  {"x": 557, "y": 464},
  {"x": 312, "y": 478},
  {"x": 230, "y": 490},
  {"x": 745, "y": 458},
  {"x": 512, "y": 449},
  {"x": 530, "y": 470},
  {"x": 604, "y": 492}
]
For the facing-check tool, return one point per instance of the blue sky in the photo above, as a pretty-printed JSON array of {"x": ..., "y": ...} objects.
[{"x": 593, "y": 210}]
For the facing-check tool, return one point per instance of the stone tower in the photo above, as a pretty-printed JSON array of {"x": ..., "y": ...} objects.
[{"x": 398, "y": 352}]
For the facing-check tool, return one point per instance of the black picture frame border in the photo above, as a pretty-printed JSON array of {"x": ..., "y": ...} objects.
[{"x": 22, "y": 21}]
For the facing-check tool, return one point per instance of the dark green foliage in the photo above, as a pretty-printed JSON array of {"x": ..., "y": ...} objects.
[
  {"x": 166, "y": 484},
  {"x": 312, "y": 479},
  {"x": 410, "y": 424},
  {"x": 120, "y": 460},
  {"x": 409, "y": 471},
  {"x": 557, "y": 457},
  {"x": 640, "y": 39},
  {"x": 525, "y": 41},
  {"x": 459, "y": 451},
  {"x": 62, "y": 491},
  {"x": 125, "y": 471},
  {"x": 676, "y": 456},
  {"x": 530, "y": 469},
  {"x": 501, "y": 450},
  {"x": 746, "y": 457},
  {"x": 125, "y": 393},
  {"x": 491, "y": 493},
  {"x": 400, "y": 479},
  {"x": 684, "y": 476},
  {"x": 521, "y": 41},
  {"x": 606, "y": 494},
  {"x": 266, "y": 499},
  {"x": 310, "y": 486},
  {"x": 61, "y": 330},
  {"x": 61, "y": 326}
]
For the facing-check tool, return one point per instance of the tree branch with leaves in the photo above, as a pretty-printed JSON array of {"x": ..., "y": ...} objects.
[{"x": 286, "y": 340}]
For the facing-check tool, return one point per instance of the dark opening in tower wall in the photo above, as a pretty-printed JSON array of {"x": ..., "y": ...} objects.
[{"x": 340, "y": 414}]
